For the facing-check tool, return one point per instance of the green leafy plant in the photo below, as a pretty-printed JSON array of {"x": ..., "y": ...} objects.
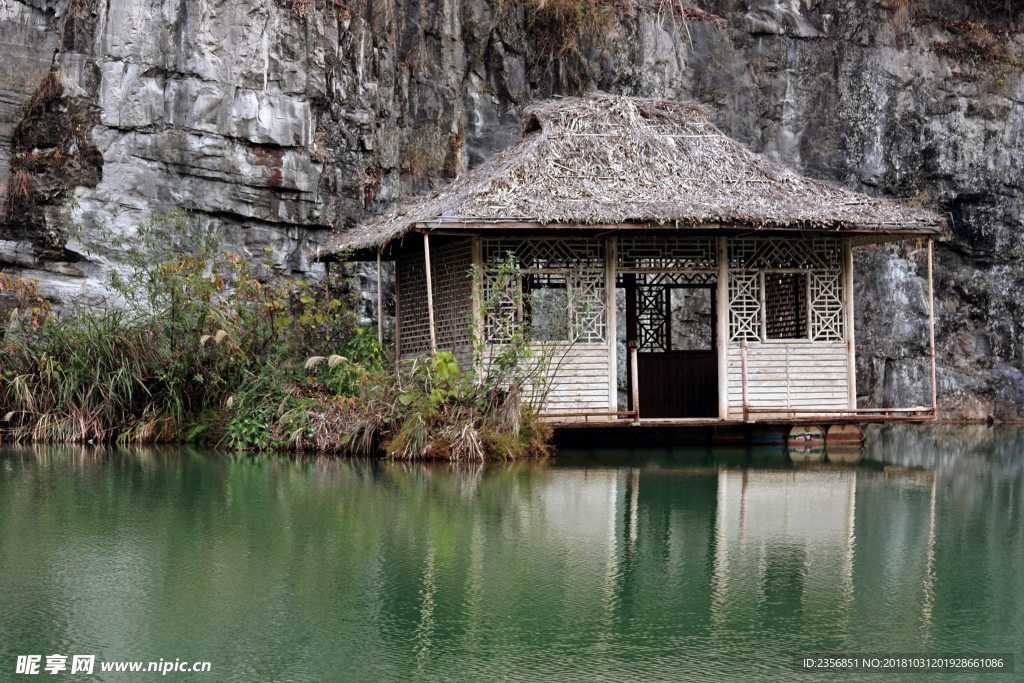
[{"x": 247, "y": 434}]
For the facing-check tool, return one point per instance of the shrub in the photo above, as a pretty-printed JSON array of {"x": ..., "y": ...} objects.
[{"x": 191, "y": 327}]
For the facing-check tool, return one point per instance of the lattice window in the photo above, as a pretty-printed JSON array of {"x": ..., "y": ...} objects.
[
  {"x": 652, "y": 318},
  {"x": 787, "y": 312},
  {"x": 785, "y": 305},
  {"x": 452, "y": 285},
  {"x": 450, "y": 264},
  {"x": 639, "y": 254},
  {"x": 827, "y": 322},
  {"x": 575, "y": 266},
  {"x": 816, "y": 253},
  {"x": 679, "y": 279},
  {"x": 744, "y": 306},
  {"x": 413, "y": 321}
]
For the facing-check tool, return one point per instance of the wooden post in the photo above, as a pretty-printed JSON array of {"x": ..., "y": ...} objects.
[
  {"x": 477, "y": 302},
  {"x": 743, "y": 370},
  {"x": 931, "y": 329},
  {"x": 611, "y": 315},
  {"x": 764, "y": 308},
  {"x": 629, "y": 280},
  {"x": 380, "y": 303},
  {"x": 851, "y": 355},
  {"x": 430, "y": 293},
  {"x": 722, "y": 328},
  {"x": 635, "y": 385}
]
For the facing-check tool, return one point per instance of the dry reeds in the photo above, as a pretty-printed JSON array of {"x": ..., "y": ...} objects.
[
  {"x": 607, "y": 159},
  {"x": 50, "y": 89},
  {"x": 15, "y": 191}
]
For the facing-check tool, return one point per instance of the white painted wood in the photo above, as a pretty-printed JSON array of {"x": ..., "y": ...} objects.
[
  {"x": 848, "y": 312},
  {"x": 610, "y": 260},
  {"x": 722, "y": 328},
  {"x": 744, "y": 378},
  {"x": 634, "y": 381},
  {"x": 816, "y": 377},
  {"x": 764, "y": 309},
  {"x": 578, "y": 378}
]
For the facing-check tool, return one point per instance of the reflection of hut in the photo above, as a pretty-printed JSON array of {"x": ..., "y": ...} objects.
[
  {"x": 791, "y": 530},
  {"x": 648, "y": 198}
]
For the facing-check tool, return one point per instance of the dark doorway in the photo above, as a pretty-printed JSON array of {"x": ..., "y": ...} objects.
[{"x": 672, "y": 323}]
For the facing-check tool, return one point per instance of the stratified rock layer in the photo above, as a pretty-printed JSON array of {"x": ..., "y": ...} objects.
[{"x": 279, "y": 126}]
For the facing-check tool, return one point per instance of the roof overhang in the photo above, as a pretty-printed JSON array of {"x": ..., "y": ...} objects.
[{"x": 860, "y": 234}]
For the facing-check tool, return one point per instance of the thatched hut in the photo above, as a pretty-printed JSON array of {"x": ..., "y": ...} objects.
[{"x": 733, "y": 274}]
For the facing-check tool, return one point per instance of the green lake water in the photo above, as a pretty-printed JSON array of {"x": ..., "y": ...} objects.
[{"x": 647, "y": 565}]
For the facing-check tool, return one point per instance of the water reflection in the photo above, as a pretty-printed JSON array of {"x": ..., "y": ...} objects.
[{"x": 657, "y": 564}]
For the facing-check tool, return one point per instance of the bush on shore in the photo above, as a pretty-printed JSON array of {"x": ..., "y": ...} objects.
[{"x": 198, "y": 348}]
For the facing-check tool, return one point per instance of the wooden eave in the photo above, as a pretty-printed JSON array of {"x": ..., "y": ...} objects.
[{"x": 860, "y": 234}]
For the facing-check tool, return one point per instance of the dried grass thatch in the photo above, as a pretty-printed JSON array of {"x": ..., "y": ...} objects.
[{"x": 607, "y": 159}]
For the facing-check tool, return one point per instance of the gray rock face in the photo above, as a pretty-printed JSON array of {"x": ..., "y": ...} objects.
[{"x": 279, "y": 127}]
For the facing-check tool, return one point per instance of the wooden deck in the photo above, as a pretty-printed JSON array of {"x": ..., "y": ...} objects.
[{"x": 866, "y": 416}]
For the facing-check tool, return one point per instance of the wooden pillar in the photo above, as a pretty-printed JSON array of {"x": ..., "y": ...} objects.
[
  {"x": 634, "y": 385},
  {"x": 610, "y": 260},
  {"x": 477, "y": 301},
  {"x": 764, "y": 308},
  {"x": 380, "y": 302},
  {"x": 851, "y": 356},
  {"x": 743, "y": 373},
  {"x": 629, "y": 282},
  {"x": 430, "y": 293},
  {"x": 722, "y": 327},
  {"x": 931, "y": 329}
]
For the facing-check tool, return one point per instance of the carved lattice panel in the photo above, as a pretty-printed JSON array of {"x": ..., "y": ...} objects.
[
  {"x": 817, "y": 253},
  {"x": 744, "y": 306},
  {"x": 538, "y": 255},
  {"x": 827, "y": 322},
  {"x": 652, "y": 318},
  {"x": 676, "y": 279},
  {"x": 640, "y": 254},
  {"x": 576, "y": 264}
]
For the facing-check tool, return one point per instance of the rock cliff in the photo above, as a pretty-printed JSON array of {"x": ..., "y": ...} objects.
[{"x": 280, "y": 119}]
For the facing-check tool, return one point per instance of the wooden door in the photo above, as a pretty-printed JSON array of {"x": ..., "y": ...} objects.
[
  {"x": 678, "y": 384},
  {"x": 677, "y": 361}
]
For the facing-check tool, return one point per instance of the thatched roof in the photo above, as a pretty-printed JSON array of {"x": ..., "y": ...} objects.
[{"x": 607, "y": 159}]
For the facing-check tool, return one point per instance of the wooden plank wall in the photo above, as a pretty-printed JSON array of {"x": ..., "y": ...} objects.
[
  {"x": 816, "y": 377},
  {"x": 580, "y": 380}
]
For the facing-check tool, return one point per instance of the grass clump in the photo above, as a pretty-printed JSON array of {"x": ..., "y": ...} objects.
[
  {"x": 190, "y": 325},
  {"x": 975, "y": 32},
  {"x": 561, "y": 26}
]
